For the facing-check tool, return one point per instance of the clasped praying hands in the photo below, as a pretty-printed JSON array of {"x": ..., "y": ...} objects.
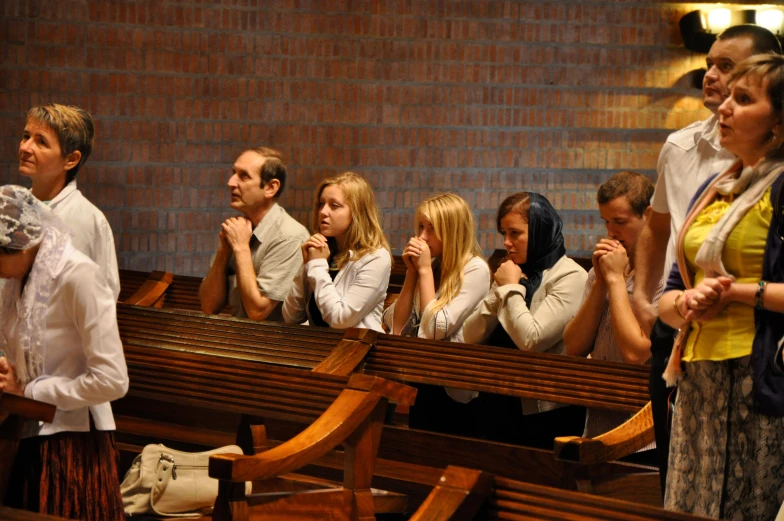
[
  {"x": 706, "y": 300},
  {"x": 236, "y": 233},
  {"x": 416, "y": 255},
  {"x": 316, "y": 247},
  {"x": 8, "y": 381}
]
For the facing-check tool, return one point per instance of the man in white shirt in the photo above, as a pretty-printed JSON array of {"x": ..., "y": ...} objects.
[
  {"x": 259, "y": 252},
  {"x": 605, "y": 327},
  {"x": 56, "y": 142},
  {"x": 687, "y": 159}
]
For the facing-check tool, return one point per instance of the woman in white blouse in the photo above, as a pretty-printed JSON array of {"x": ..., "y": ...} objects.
[
  {"x": 446, "y": 278},
  {"x": 59, "y": 344},
  {"x": 344, "y": 279},
  {"x": 537, "y": 290},
  {"x": 55, "y": 145}
]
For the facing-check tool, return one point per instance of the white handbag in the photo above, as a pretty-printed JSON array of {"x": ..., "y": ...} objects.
[{"x": 170, "y": 482}]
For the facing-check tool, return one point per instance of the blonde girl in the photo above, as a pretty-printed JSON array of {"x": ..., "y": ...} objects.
[
  {"x": 446, "y": 278},
  {"x": 344, "y": 278}
]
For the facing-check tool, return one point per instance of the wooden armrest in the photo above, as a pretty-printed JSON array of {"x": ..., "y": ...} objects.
[
  {"x": 626, "y": 439},
  {"x": 27, "y": 408},
  {"x": 349, "y": 353},
  {"x": 349, "y": 410},
  {"x": 457, "y": 497},
  {"x": 152, "y": 290},
  {"x": 395, "y": 392}
]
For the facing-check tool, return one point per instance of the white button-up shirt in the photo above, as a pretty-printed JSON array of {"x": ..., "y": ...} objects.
[
  {"x": 354, "y": 299},
  {"x": 92, "y": 234},
  {"x": 83, "y": 362},
  {"x": 689, "y": 157}
]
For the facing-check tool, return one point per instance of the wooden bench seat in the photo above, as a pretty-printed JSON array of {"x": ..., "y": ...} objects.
[
  {"x": 270, "y": 342},
  {"x": 489, "y": 369},
  {"x": 179, "y": 292},
  {"x": 130, "y": 282},
  {"x": 467, "y": 494},
  {"x": 173, "y": 388},
  {"x": 12, "y": 514},
  {"x": 198, "y": 419},
  {"x": 594, "y": 383}
]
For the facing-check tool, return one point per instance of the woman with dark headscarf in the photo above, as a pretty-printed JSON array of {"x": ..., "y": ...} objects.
[{"x": 537, "y": 290}]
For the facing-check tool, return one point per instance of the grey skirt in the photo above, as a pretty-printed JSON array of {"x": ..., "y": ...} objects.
[{"x": 726, "y": 459}]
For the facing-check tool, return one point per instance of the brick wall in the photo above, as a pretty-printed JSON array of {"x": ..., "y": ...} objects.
[{"x": 482, "y": 98}]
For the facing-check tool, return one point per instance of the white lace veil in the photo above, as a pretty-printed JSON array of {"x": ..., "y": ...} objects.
[{"x": 25, "y": 222}]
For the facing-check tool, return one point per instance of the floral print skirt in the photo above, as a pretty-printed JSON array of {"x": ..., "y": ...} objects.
[{"x": 726, "y": 459}]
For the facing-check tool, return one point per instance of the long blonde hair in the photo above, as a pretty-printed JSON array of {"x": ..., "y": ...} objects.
[
  {"x": 451, "y": 219},
  {"x": 364, "y": 234}
]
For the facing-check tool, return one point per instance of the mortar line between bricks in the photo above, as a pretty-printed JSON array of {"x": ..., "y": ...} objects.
[{"x": 407, "y": 39}]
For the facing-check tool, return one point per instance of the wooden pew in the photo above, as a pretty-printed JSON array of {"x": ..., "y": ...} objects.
[
  {"x": 173, "y": 291},
  {"x": 151, "y": 291},
  {"x": 633, "y": 435},
  {"x": 130, "y": 282},
  {"x": 183, "y": 291},
  {"x": 593, "y": 383},
  {"x": 465, "y": 494},
  {"x": 189, "y": 396},
  {"x": 511, "y": 372},
  {"x": 270, "y": 342},
  {"x": 12, "y": 514},
  {"x": 182, "y": 333},
  {"x": 354, "y": 420},
  {"x": 14, "y": 411}
]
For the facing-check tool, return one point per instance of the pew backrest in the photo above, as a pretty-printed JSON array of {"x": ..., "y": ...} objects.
[{"x": 466, "y": 494}]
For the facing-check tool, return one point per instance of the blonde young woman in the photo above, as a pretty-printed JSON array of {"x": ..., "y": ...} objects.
[
  {"x": 446, "y": 278},
  {"x": 344, "y": 280}
]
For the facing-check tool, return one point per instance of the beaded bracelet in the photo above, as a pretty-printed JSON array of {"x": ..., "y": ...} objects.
[{"x": 759, "y": 297}]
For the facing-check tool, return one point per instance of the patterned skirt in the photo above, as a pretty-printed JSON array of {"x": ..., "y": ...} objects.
[
  {"x": 68, "y": 474},
  {"x": 726, "y": 459}
]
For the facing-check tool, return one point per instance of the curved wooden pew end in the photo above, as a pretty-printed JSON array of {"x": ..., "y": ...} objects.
[
  {"x": 629, "y": 437},
  {"x": 348, "y": 355},
  {"x": 459, "y": 495},
  {"x": 153, "y": 291},
  {"x": 354, "y": 420}
]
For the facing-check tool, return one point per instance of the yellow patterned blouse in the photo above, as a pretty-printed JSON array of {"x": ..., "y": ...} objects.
[{"x": 731, "y": 333}]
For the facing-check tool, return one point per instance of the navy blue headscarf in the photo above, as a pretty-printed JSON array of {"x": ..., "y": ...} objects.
[{"x": 545, "y": 243}]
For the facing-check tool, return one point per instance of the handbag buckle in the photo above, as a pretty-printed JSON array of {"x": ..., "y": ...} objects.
[{"x": 169, "y": 459}]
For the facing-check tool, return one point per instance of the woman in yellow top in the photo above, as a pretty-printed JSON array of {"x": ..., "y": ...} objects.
[{"x": 726, "y": 294}]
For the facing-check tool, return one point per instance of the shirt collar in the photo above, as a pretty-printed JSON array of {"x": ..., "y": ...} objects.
[
  {"x": 709, "y": 132},
  {"x": 269, "y": 221},
  {"x": 64, "y": 193}
]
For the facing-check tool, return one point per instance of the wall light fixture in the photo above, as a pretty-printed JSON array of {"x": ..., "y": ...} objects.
[{"x": 699, "y": 28}]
